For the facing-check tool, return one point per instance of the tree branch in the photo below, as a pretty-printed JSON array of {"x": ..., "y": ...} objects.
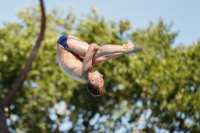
[{"x": 23, "y": 76}]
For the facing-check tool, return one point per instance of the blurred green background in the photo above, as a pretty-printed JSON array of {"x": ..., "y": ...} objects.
[{"x": 157, "y": 90}]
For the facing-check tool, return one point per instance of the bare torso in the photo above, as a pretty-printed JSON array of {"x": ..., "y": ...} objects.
[{"x": 70, "y": 64}]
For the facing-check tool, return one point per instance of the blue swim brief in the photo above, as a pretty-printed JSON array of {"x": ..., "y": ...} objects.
[{"x": 63, "y": 41}]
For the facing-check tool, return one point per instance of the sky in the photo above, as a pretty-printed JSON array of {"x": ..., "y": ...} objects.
[{"x": 184, "y": 14}]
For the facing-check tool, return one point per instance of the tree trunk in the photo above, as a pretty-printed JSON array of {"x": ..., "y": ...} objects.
[
  {"x": 23, "y": 75},
  {"x": 3, "y": 125},
  {"x": 19, "y": 83}
]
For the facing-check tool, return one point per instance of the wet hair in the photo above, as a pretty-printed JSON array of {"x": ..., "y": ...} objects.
[{"x": 95, "y": 90}]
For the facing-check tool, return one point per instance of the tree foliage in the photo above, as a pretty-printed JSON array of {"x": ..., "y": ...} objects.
[{"x": 160, "y": 84}]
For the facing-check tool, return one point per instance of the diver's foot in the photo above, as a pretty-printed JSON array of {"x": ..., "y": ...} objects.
[{"x": 132, "y": 48}]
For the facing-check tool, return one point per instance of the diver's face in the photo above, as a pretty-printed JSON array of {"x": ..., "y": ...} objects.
[{"x": 98, "y": 79}]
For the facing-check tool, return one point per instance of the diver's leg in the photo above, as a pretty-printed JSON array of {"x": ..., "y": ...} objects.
[
  {"x": 112, "y": 49},
  {"x": 77, "y": 46},
  {"x": 104, "y": 58},
  {"x": 104, "y": 53},
  {"x": 80, "y": 47},
  {"x": 107, "y": 52}
]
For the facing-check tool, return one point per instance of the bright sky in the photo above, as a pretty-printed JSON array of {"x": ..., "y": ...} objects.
[{"x": 184, "y": 14}]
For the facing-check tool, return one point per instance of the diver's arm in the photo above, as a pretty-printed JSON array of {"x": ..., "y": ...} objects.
[{"x": 87, "y": 62}]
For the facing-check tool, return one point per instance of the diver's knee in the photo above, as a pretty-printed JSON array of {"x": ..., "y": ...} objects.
[{"x": 94, "y": 44}]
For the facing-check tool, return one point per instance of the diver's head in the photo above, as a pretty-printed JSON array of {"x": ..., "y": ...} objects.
[{"x": 95, "y": 83}]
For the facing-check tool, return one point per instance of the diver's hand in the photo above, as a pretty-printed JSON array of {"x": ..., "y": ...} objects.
[{"x": 95, "y": 46}]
